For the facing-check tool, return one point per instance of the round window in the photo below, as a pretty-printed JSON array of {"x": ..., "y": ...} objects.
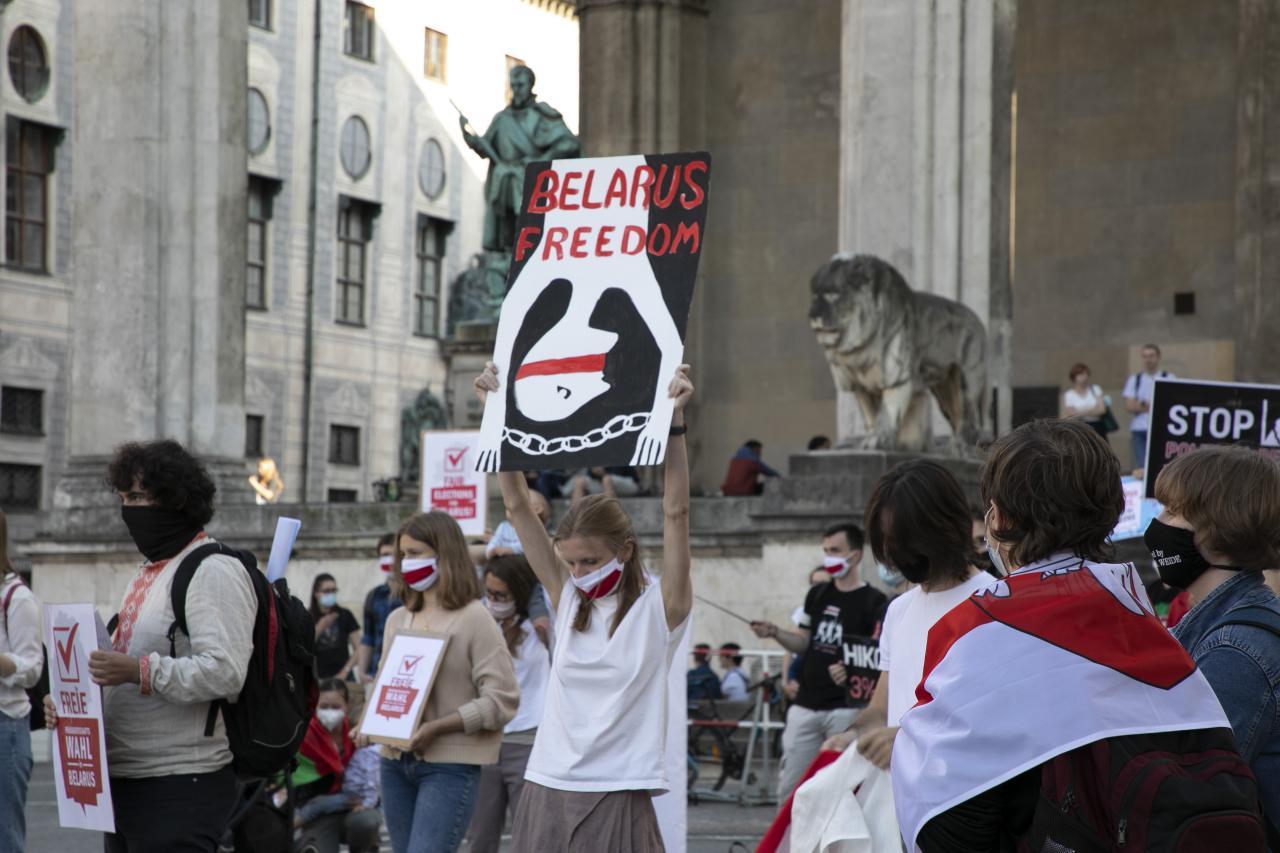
[
  {"x": 355, "y": 147},
  {"x": 259, "y": 122},
  {"x": 431, "y": 169},
  {"x": 28, "y": 64}
]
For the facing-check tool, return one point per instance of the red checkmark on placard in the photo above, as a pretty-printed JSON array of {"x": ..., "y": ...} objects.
[
  {"x": 453, "y": 458},
  {"x": 66, "y": 651}
]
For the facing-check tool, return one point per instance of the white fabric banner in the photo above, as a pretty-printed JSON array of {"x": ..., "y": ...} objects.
[{"x": 672, "y": 807}]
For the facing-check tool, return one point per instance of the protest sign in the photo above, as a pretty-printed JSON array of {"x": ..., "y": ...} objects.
[
  {"x": 79, "y": 742},
  {"x": 400, "y": 691},
  {"x": 450, "y": 482},
  {"x": 1138, "y": 511},
  {"x": 282, "y": 546},
  {"x": 593, "y": 325},
  {"x": 1186, "y": 415}
]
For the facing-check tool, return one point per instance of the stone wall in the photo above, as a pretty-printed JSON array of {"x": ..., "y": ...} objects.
[{"x": 1125, "y": 188}]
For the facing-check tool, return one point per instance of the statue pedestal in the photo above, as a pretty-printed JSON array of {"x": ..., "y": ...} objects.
[
  {"x": 834, "y": 485},
  {"x": 466, "y": 353}
]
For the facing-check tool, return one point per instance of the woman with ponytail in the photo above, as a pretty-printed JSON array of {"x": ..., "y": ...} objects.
[
  {"x": 429, "y": 792},
  {"x": 598, "y": 758}
]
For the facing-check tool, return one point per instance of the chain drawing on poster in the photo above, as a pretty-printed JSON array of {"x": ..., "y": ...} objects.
[
  {"x": 83, "y": 784},
  {"x": 1188, "y": 414},
  {"x": 593, "y": 325}
]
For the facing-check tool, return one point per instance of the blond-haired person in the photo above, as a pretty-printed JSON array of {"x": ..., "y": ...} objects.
[
  {"x": 428, "y": 793},
  {"x": 1218, "y": 532}
]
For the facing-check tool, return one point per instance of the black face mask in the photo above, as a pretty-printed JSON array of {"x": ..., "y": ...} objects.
[
  {"x": 911, "y": 566},
  {"x": 159, "y": 533},
  {"x": 1177, "y": 558}
]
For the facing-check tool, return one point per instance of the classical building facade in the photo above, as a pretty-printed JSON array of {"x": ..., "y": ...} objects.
[{"x": 239, "y": 231}]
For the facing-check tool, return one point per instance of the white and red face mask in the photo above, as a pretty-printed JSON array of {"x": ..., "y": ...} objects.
[
  {"x": 837, "y": 567},
  {"x": 601, "y": 582},
  {"x": 386, "y": 562},
  {"x": 419, "y": 573}
]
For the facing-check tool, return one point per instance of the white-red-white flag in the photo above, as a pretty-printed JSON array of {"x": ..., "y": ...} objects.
[{"x": 1057, "y": 655}]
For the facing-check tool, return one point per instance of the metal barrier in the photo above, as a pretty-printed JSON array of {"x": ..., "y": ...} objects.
[{"x": 765, "y": 669}]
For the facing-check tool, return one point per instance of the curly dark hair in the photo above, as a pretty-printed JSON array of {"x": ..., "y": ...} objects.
[
  {"x": 168, "y": 473},
  {"x": 1057, "y": 486}
]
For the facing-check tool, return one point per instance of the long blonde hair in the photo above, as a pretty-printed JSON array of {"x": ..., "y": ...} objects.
[
  {"x": 6, "y": 567},
  {"x": 602, "y": 516},
  {"x": 458, "y": 585}
]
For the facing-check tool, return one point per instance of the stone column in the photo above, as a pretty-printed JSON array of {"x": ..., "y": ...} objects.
[
  {"x": 159, "y": 233},
  {"x": 925, "y": 162},
  {"x": 1257, "y": 293}
]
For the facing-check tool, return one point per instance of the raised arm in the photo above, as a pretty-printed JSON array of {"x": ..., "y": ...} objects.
[
  {"x": 677, "y": 587},
  {"x": 538, "y": 549}
]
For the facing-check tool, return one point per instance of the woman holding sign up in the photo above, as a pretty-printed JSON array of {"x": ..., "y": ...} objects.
[
  {"x": 599, "y": 754},
  {"x": 429, "y": 791}
]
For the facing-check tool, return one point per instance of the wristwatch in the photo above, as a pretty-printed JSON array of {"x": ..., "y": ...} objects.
[{"x": 680, "y": 430}]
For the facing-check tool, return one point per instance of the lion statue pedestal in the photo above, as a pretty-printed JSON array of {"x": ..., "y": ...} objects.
[{"x": 889, "y": 348}]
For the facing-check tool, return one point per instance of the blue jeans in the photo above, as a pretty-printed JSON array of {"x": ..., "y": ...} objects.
[
  {"x": 15, "y": 773},
  {"x": 427, "y": 805},
  {"x": 1138, "y": 441}
]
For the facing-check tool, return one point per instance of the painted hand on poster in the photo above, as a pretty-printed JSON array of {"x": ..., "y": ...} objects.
[{"x": 593, "y": 324}]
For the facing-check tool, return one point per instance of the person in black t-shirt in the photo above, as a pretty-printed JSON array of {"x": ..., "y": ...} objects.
[
  {"x": 839, "y": 636},
  {"x": 337, "y": 631}
]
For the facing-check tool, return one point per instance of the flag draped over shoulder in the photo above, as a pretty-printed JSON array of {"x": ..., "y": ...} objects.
[{"x": 1057, "y": 655}]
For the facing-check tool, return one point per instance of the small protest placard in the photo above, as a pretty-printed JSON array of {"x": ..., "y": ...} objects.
[
  {"x": 79, "y": 742},
  {"x": 592, "y": 328},
  {"x": 401, "y": 689},
  {"x": 282, "y": 547},
  {"x": 450, "y": 482},
  {"x": 1138, "y": 511},
  {"x": 1187, "y": 414}
]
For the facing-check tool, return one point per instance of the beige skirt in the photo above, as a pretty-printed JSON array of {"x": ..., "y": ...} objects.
[{"x": 549, "y": 820}]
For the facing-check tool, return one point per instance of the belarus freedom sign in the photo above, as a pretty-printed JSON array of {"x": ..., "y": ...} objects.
[
  {"x": 79, "y": 742},
  {"x": 1186, "y": 415},
  {"x": 450, "y": 482},
  {"x": 593, "y": 325}
]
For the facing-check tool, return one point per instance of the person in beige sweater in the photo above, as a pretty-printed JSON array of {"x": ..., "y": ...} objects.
[{"x": 428, "y": 793}]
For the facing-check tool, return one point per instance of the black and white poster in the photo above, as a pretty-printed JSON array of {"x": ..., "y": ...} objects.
[
  {"x": 593, "y": 325},
  {"x": 1186, "y": 415}
]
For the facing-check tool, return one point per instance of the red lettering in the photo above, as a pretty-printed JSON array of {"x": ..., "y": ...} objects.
[
  {"x": 578, "y": 248},
  {"x": 687, "y": 202},
  {"x": 567, "y": 191},
  {"x": 642, "y": 180},
  {"x": 632, "y": 231},
  {"x": 658, "y": 200},
  {"x": 660, "y": 229},
  {"x": 617, "y": 191},
  {"x": 526, "y": 241},
  {"x": 544, "y": 195},
  {"x": 686, "y": 233},
  {"x": 555, "y": 240},
  {"x": 586, "y": 193},
  {"x": 602, "y": 240}
]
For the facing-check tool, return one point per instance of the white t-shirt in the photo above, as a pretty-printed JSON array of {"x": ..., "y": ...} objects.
[
  {"x": 533, "y": 668},
  {"x": 1091, "y": 397},
  {"x": 906, "y": 630},
  {"x": 605, "y": 722},
  {"x": 1142, "y": 386}
]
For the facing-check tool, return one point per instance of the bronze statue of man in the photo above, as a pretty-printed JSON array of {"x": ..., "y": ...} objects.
[{"x": 527, "y": 130}]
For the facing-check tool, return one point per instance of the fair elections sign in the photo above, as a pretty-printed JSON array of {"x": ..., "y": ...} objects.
[
  {"x": 400, "y": 692},
  {"x": 592, "y": 328},
  {"x": 1186, "y": 415},
  {"x": 79, "y": 741},
  {"x": 450, "y": 482}
]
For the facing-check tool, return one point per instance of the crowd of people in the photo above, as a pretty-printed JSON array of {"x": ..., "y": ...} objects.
[{"x": 1015, "y": 685}]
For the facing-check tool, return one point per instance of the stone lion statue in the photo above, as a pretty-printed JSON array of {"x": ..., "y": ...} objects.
[{"x": 889, "y": 347}]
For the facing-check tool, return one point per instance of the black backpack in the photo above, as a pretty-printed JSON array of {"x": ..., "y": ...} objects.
[
  {"x": 1183, "y": 792},
  {"x": 266, "y": 724}
]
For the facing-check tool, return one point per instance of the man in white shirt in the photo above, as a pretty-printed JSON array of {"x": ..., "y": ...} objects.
[
  {"x": 733, "y": 684},
  {"x": 1138, "y": 391}
]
